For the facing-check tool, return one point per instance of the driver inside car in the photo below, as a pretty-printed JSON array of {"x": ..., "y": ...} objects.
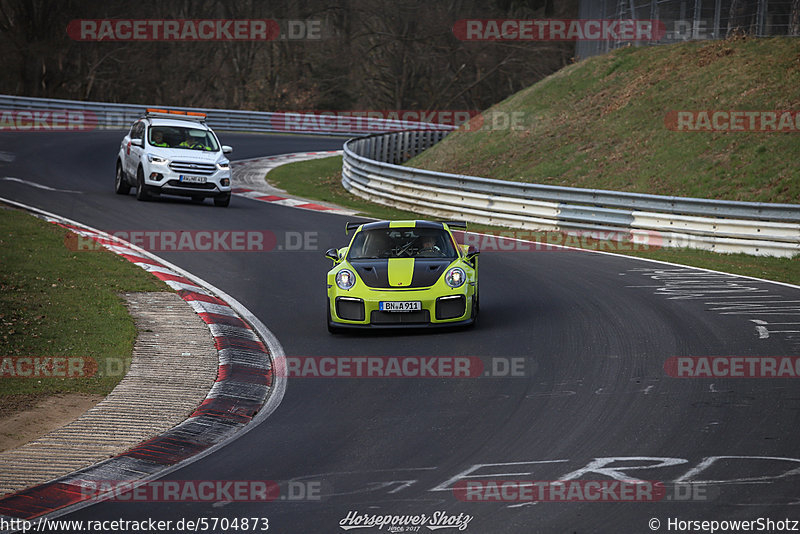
[
  {"x": 158, "y": 139},
  {"x": 190, "y": 142},
  {"x": 428, "y": 247}
]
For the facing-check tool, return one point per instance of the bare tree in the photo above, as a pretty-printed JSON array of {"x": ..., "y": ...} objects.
[
  {"x": 373, "y": 54},
  {"x": 741, "y": 16}
]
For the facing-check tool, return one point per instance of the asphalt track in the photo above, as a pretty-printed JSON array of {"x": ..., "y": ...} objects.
[{"x": 593, "y": 332}]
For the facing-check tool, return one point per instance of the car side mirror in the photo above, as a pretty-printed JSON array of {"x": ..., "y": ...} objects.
[
  {"x": 227, "y": 149},
  {"x": 472, "y": 253},
  {"x": 332, "y": 254},
  {"x": 137, "y": 142}
]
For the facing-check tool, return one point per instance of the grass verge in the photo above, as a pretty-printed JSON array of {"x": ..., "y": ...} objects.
[
  {"x": 60, "y": 303},
  {"x": 320, "y": 179},
  {"x": 604, "y": 123}
]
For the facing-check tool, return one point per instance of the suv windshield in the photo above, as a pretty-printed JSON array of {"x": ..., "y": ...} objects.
[
  {"x": 402, "y": 243},
  {"x": 182, "y": 137}
]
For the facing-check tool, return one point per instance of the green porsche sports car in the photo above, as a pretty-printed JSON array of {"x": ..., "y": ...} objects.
[{"x": 402, "y": 274}]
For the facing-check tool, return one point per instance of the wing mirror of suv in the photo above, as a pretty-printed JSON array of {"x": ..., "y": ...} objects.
[
  {"x": 227, "y": 149},
  {"x": 333, "y": 254},
  {"x": 137, "y": 142},
  {"x": 472, "y": 253}
]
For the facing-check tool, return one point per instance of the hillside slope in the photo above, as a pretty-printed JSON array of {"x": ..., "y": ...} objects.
[{"x": 601, "y": 124}]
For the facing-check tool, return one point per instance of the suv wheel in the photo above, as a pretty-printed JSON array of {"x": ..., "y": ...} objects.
[
  {"x": 141, "y": 192},
  {"x": 121, "y": 187},
  {"x": 222, "y": 201}
]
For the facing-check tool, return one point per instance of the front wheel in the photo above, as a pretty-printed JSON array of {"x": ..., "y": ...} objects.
[
  {"x": 121, "y": 187},
  {"x": 476, "y": 307},
  {"x": 332, "y": 329},
  {"x": 222, "y": 202},
  {"x": 141, "y": 192}
]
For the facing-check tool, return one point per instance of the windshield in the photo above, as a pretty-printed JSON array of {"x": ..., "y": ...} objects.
[
  {"x": 402, "y": 243},
  {"x": 182, "y": 137}
]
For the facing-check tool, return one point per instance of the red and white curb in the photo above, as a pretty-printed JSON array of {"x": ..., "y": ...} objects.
[
  {"x": 248, "y": 388},
  {"x": 291, "y": 202},
  {"x": 249, "y": 181}
]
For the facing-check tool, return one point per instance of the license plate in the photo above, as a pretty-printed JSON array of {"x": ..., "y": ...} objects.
[
  {"x": 193, "y": 179},
  {"x": 404, "y": 306}
]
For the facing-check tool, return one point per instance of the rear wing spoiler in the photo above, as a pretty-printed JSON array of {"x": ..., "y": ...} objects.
[{"x": 350, "y": 226}]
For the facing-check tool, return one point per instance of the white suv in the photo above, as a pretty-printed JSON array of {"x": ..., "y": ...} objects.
[{"x": 175, "y": 153}]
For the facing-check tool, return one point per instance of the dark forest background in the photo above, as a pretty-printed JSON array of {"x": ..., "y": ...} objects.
[{"x": 374, "y": 54}]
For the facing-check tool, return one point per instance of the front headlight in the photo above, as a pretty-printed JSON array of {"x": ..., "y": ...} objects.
[
  {"x": 345, "y": 279},
  {"x": 224, "y": 165},
  {"x": 455, "y": 277},
  {"x": 156, "y": 159}
]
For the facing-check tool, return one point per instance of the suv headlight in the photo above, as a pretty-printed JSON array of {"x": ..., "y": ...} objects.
[
  {"x": 224, "y": 165},
  {"x": 156, "y": 159},
  {"x": 455, "y": 277},
  {"x": 345, "y": 279}
]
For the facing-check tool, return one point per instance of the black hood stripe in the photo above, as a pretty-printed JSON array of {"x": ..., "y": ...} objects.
[{"x": 375, "y": 273}]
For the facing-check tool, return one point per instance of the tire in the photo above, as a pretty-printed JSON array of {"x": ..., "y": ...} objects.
[
  {"x": 332, "y": 329},
  {"x": 141, "y": 192},
  {"x": 222, "y": 202},
  {"x": 121, "y": 187},
  {"x": 476, "y": 308}
]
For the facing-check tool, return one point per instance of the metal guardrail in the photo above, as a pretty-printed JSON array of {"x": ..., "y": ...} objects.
[
  {"x": 121, "y": 116},
  {"x": 372, "y": 170}
]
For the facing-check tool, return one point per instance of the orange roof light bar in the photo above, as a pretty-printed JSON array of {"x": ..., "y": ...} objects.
[{"x": 177, "y": 112}]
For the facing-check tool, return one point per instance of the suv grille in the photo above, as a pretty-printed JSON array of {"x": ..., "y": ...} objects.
[
  {"x": 184, "y": 185},
  {"x": 190, "y": 167}
]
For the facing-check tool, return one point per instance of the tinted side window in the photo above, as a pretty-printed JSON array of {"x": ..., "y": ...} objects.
[{"x": 137, "y": 132}]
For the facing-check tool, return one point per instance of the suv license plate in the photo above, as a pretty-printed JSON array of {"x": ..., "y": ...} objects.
[
  {"x": 404, "y": 306},
  {"x": 193, "y": 179}
]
